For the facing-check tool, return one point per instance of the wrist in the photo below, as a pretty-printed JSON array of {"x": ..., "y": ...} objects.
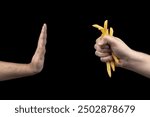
[
  {"x": 35, "y": 68},
  {"x": 134, "y": 59},
  {"x": 127, "y": 60},
  {"x": 32, "y": 69}
]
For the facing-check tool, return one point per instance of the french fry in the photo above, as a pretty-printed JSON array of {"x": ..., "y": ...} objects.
[
  {"x": 111, "y": 31},
  {"x": 115, "y": 58},
  {"x": 108, "y": 64},
  {"x": 112, "y": 62},
  {"x": 98, "y": 26},
  {"x": 113, "y": 55},
  {"x": 112, "y": 65},
  {"x": 105, "y": 25},
  {"x": 108, "y": 69}
]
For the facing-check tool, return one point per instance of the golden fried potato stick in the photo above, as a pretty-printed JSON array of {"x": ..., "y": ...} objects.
[
  {"x": 104, "y": 31},
  {"x": 97, "y": 26},
  {"x": 108, "y": 64},
  {"x": 112, "y": 65},
  {"x": 112, "y": 62},
  {"x": 111, "y": 31},
  {"x": 108, "y": 69},
  {"x": 115, "y": 58},
  {"x": 113, "y": 55},
  {"x": 105, "y": 27}
]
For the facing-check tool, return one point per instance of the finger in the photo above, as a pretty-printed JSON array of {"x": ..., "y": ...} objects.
[
  {"x": 106, "y": 40},
  {"x": 110, "y": 40},
  {"x": 105, "y": 47},
  {"x": 40, "y": 51},
  {"x": 106, "y": 59},
  {"x": 101, "y": 41},
  {"x": 43, "y": 31},
  {"x": 43, "y": 36},
  {"x": 98, "y": 48},
  {"x": 95, "y": 46},
  {"x": 98, "y": 39},
  {"x": 99, "y": 54},
  {"x": 104, "y": 50}
]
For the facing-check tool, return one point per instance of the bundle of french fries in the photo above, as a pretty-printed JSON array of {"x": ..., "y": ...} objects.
[{"x": 106, "y": 31}]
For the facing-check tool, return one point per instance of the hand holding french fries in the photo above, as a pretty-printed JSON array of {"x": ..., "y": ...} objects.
[{"x": 106, "y": 31}]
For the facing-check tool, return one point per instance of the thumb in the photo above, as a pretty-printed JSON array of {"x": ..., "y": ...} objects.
[{"x": 110, "y": 40}]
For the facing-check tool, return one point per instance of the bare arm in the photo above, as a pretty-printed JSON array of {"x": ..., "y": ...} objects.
[
  {"x": 9, "y": 70},
  {"x": 129, "y": 59},
  {"x": 140, "y": 63}
]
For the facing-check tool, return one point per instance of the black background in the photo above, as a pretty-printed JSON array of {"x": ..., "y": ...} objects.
[{"x": 71, "y": 70}]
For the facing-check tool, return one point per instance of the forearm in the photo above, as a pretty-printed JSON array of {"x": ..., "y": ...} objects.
[
  {"x": 10, "y": 70},
  {"x": 139, "y": 63}
]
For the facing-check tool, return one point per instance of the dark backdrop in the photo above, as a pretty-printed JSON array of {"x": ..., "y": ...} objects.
[{"x": 72, "y": 71}]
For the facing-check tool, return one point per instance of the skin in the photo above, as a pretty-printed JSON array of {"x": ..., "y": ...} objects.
[
  {"x": 128, "y": 58},
  {"x": 9, "y": 70}
]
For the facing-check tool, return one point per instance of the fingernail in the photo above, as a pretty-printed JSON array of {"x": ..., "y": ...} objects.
[
  {"x": 44, "y": 25},
  {"x": 100, "y": 43}
]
